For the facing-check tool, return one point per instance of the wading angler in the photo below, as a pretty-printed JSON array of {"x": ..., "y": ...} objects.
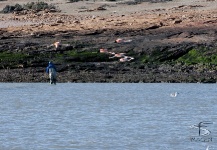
[{"x": 51, "y": 70}]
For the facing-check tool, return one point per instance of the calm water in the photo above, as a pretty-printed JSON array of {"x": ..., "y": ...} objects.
[{"x": 92, "y": 116}]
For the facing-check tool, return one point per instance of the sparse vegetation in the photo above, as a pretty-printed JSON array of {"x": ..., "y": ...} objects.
[
  {"x": 192, "y": 57},
  {"x": 36, "y": 6},
  {"x": 10, "y": 60},
  {"x": 198, "y": 56},
  {"x": 5, "y": 56}
]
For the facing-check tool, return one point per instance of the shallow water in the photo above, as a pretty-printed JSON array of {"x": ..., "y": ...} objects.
[{"x": 115, "y": 116}]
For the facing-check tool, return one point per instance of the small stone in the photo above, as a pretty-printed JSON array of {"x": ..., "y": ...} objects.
[{"x": 177, "y": 21}]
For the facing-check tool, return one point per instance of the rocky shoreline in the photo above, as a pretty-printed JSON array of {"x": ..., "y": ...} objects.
[{"x": 158, "y": 41}]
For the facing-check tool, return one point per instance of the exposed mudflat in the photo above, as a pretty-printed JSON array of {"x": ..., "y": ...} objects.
[{"x": 174, "y": 27}]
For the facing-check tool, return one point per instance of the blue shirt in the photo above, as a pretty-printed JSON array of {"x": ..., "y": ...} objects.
[{"x": 51, "y": 65}]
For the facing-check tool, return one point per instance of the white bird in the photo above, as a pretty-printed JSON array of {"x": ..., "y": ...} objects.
[
  {"x": 174, "y": 94},
  {"x": 207, "y": 148}
]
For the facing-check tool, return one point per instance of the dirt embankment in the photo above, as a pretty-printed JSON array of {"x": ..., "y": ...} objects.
[{"x": 155, "y": 35}]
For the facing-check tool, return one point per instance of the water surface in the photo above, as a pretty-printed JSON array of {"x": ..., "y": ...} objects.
[{"x": 111, "y": 116}]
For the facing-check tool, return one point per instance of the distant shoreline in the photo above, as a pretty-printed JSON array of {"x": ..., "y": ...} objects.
[{"x": 170, "y": 42}]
